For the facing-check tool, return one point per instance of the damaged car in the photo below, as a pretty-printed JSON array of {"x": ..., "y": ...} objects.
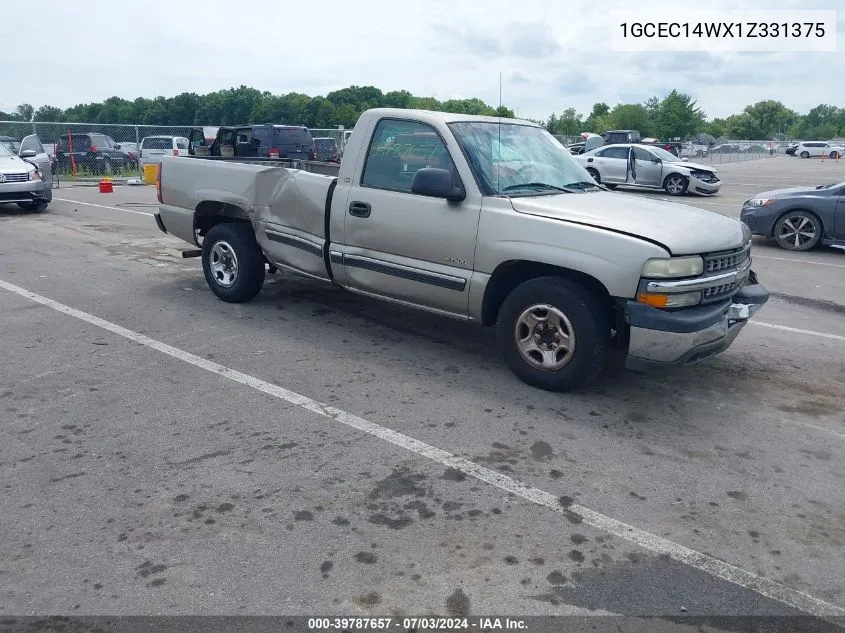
[{"x": 635, "y": 165}]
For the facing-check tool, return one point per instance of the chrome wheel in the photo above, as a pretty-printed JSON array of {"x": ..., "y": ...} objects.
[
  {"x": 544, "y": 337},
  {"x": 797, "y": 232},
  {"x": 674, "y": 185},
  {"x": 224, "y": 264}
]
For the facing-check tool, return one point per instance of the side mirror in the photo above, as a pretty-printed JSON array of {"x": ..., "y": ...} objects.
[
  {"x": 117, "y": 145},
  {"x": 28, "y": 153},
  {"x": 437, "y": 183},
  {"x": 658, "y": 160}
]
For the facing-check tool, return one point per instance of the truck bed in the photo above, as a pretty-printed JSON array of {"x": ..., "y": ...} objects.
[{"x": 286, "y": 205}]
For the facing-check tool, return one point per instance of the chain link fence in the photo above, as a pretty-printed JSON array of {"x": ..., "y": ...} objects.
[{"x": 83, "y": 152}]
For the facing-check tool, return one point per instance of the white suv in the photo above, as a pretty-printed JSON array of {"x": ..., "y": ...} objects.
[
  {"x": 819, "y": 148},
  {"x": 154, "y": 147}
]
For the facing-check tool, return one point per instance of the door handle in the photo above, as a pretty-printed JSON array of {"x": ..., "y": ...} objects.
[
  {"x": 589, "y": 160},
  {"x": 360, "y": 209}
]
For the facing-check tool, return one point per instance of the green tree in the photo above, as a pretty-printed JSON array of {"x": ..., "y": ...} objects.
[
  {"x": 632, "y": 116},
  {"x": 678, "y": 116},
  {"x": 772, "y": 117},
  {"x": 744, "y": 126},
  {"x": 599, "y": 110},
  {"x": 24, "y": 112},
  {"x": 47, "y": 113}
]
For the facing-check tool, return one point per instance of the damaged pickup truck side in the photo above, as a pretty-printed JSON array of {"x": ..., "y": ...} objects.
[{"x": 482, "y": 219}]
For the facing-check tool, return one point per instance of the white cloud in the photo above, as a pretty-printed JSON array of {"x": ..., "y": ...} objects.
[{"x": 551, "y": 55}]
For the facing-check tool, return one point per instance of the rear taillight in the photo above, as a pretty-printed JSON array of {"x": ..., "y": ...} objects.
[
  {"x": 175, "y": 152},
  {"x": 274, "y": 152},
  {"x": 313, "y": 153},
  {"x": 92, "y": 149},
  {"x": 158, "y": 182}
]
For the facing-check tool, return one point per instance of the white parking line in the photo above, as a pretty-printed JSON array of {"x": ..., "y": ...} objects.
[
  {"x": 763, "y": 586},
  {"x": 786, "y": 328},
  {"x": 103, "y": 206},
  {"x": 799, "y": 261}
]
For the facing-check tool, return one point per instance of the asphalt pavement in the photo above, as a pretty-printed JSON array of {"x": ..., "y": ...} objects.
[{"x": 315, "y": 452}]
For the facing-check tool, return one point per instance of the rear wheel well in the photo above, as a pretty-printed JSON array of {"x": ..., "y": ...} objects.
[
  {"x": 210, "y": 213},
  {"x": 509, "y": 275}
]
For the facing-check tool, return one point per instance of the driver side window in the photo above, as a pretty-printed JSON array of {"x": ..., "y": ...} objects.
[{"x": 399, "y": 150}]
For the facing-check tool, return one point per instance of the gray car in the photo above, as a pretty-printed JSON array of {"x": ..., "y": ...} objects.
[
  {"x": 636, "y": 165},
  {"x": 25, "y": 179},
  {"x": 799, "y": 218}
]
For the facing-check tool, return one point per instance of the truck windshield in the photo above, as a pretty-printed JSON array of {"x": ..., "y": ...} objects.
[{"x": 514, "y": 159}]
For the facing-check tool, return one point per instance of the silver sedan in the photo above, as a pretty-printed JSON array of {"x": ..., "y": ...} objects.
[{"x": 635, "y": 165}]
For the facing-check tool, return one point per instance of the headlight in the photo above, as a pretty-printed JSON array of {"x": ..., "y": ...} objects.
[
  {"x": 674, "y": 267},
  {"x": 759, "y": 202},
  {"x": 746, "y": 233},
  {"x": 661, "y": 300},
  {"x": 35, "y": 175}
]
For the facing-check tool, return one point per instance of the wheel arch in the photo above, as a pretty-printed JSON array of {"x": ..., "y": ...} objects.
[
  {"x": 510, "y": 274},
  {"x": 210, "y": 213}
]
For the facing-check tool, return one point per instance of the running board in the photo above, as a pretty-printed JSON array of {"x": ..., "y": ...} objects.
[{"x": 193, "y": 253}]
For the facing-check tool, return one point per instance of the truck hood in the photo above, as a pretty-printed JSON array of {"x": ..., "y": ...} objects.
[{"x": 680, "y": 228}]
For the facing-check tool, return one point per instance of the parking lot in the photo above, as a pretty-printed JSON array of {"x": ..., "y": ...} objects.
[{"x": 316, "y": 452}]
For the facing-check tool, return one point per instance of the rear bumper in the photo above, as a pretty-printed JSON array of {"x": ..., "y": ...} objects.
[{"x": 659, "y": 338}]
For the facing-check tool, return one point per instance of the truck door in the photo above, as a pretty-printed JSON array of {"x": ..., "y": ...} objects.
[{"x": 401, "y": 245}]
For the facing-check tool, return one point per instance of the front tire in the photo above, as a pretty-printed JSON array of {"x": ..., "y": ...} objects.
[
  {"x": 675, "y": 185},
  {"x": 594, "y": 174},
  {"x": 232, "y": 262},
  {"x": 834, "y": 155},
  {"x": 798, "y": 231},
  {"x": 35, "y": 206},
  {"x": 553, "y": 333}
]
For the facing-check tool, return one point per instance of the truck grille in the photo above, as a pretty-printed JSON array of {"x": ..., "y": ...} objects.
[
  {"x": 721, "y": 262},
  {"x": 14, "y": 177},
  {"x": 715, "y": 293}
]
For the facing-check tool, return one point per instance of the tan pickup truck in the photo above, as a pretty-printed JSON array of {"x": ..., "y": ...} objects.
[{"x": 481, "y": 219}]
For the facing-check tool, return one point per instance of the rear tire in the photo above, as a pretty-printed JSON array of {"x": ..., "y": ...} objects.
[
  {"x": 529, "y": 327},
  {"x": 233, "y": 262},
  {"x": 805, "y": 154}
]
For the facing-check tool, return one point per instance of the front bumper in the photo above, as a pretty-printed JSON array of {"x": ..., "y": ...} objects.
[
  {"x": 26, "y": 191},
  {"x": 704, "y": 187},
  {"x": 660, "y": 338},
  {"x": 761, "y": 220}
]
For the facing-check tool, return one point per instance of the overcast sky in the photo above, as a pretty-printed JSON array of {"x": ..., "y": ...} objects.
[{"x": 552, "y": 55}]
